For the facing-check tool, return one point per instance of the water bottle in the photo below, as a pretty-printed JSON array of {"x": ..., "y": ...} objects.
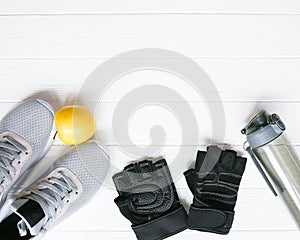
[{"x": 275, "y": 159}]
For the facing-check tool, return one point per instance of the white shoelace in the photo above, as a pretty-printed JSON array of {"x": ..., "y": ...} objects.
[
  {"x": 10, "y": 151},
  {"x": 50, "y": 195}
]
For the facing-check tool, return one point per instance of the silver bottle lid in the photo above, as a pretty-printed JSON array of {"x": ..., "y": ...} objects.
[{"x": 263, "y": 128}]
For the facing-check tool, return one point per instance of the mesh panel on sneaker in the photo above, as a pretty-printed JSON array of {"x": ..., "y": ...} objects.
[
  {"x": 32, "y": 121},
  {"x": 29, "y": 126},
  {"x": 90, "y": 163}
]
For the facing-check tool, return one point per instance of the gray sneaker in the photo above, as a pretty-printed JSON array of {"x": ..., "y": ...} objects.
[
  {"x": 68, "y": 185},
  {"x": 26, "y": 134}
]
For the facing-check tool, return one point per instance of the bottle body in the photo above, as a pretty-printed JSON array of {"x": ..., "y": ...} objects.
[{"x": 283, "y": 166}]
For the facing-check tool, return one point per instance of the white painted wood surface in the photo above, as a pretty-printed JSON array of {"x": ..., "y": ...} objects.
[
  {"x": 143, "y": 6},
  {"x": 250, "y": 49}
]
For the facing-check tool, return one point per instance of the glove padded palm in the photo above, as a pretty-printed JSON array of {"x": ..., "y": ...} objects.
[
  {"x": 148, "y": 198},
  {"x": 214, "y": 183}
]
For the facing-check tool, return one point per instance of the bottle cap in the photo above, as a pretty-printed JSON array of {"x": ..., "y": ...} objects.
[{"x": 263, "y": 128}]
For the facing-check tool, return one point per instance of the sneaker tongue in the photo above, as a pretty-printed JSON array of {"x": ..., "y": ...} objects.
[{"x": 32, "y": 215}]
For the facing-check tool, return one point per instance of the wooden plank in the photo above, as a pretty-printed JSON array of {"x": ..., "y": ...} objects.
[
  {"x": 107, "y": 36},
  {"x": 155, "y": 6},
  {"x": 168, "y": 117},
  {"x": 237, "y": 114},
  {"x": 235, "y": 79}
]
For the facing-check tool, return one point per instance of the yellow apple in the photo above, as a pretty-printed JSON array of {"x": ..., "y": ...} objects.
[{"x": 75, "y": 124}]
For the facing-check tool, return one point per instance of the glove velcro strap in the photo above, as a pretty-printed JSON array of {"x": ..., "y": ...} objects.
[
  {"x": 162, "y": 227},
  {"x": 210, "y": 220}
]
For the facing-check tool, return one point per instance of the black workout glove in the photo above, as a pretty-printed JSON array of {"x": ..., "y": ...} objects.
[
  {"x": 214, "y": 183},
  {"x": 148, "y": 198}
]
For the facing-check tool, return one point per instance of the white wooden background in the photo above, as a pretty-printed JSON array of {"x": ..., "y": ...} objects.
[{"x": 249, "y": 48}]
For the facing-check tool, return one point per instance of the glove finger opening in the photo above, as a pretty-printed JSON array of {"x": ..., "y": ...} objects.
[
  {"x": 227, "y": 159},
  {"x": 240, "y": 165},
  {"x": 199, "y": 160}
]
